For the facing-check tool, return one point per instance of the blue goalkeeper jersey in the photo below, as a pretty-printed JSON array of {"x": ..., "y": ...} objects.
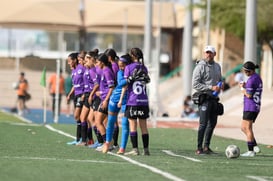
[{"x": 121, "y": 81}]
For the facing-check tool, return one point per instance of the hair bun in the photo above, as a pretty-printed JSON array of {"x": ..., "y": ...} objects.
[{"x": 250, "y": 66}]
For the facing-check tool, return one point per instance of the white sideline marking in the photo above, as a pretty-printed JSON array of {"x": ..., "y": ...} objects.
[
  {"x": 153, "y": 169},
  {"x": 17, "y": 116},
  {"x": 57, "y": 159},
  {"x": 24, "y": 124},
  {"x": 250, "y": 164},
  {"x": 59, "y": 131},
  {"x": 263, "y": 178},
  {"x": 168, "y": 152}
]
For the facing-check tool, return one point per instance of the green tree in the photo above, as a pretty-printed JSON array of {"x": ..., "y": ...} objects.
[{"x": 230, "y": 15}]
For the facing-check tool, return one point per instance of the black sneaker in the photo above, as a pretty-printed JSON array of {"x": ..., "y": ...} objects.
[{"x": 208, "y": 151}]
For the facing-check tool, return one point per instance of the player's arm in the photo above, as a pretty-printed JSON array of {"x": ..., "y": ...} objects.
[
  {"x": 93, "y": 92},
  {"x": 246, "y": 93},
  {"x": 123, "y": 90},
  {"x": 70, "y": 93}
]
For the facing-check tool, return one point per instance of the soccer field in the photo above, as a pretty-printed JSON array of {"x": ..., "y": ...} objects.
[{"x": 34, "y": 152}]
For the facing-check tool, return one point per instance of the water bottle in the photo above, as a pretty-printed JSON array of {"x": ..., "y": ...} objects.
[
  {"x": 242, "y": 84},
  {"x": 215, "y": 93}
]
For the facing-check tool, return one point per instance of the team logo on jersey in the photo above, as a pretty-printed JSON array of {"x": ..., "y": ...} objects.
[
  {"x": 79, "y": 71},
  {"x": 203, "y": 108}
]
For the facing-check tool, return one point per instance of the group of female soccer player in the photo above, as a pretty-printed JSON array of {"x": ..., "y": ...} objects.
[{"x": 104, "y": 84}]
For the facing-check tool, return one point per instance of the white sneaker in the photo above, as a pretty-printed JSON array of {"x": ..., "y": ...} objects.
[
  {"x": 248, "y": 154},
  {"x": 20, "y": 113},
  {"x": 256, "y": 149},
  {"x": 133, "y": 152},
  {"x": 100, "y": 148}
]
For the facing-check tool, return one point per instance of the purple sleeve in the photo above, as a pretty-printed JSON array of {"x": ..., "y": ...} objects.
[
  {"x": 115, "y": 68},
  {"x": 109, "y": 78},
  {"x": 93, "y": 76},
  {"x": 126, "y": 72}
]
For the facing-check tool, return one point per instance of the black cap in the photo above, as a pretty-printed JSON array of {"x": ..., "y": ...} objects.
[{"x": 249, "y": 66}]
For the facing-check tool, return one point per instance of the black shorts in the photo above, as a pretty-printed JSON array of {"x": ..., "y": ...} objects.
[
  {"x": 85, "y": 100},
  {"x": 250, "y": 116},
  {"x": 20, "y": 97},
  {"x": 95, "y": 103},
  {"x": 78, "y": 101},
  {"x": 104, "y": 111},
  {"x": 134, "y": 112}
]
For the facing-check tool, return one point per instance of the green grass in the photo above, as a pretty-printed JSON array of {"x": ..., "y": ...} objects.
[{"x": 29, "y": 152}]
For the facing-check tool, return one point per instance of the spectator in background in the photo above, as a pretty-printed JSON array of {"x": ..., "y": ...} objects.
[
  {"x": 238, "y": 77},
  {"x": 189, "y": 111},
  {"x": 67, "y": 87},
  {"x": 21, "y": 94},
  {"x": 52, "y": 89}
]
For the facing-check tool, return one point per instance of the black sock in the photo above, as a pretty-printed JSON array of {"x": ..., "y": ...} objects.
[
  {"x": 145, "y": 140},
  {"x": 84, "y": 131},
  {"x": 78, "y": 131},
  {"x": 104, "y": 138},
  {"x": 254, "y": 141},
  {"x": 133, "y": 136},
  {"x": 250, "y": 145},
  {"x": 89, "y": 133},
  {"x": 100, "y": 139},
  {"x": 115, "y": 135}
]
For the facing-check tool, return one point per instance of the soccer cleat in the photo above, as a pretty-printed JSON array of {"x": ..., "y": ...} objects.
[
  {"x": 99, "y": 148},
  {"x": 113, "y": 147},
  {"x": 75, "y": 142},
  {"x": 134, "y": 152},
  {"x": 199, "y": 152},
  {"x": 121, "y": 151},
  {"x": 208, "y": 151},
  {"x": 146, "y": 152},
  {"x": 256, "y": 149},
  {"x": 95, "y": 145},
  {"x": 248, "y": 154},
  {"x": 90, "y": 142},
  {"x": 81, "y": 144}
]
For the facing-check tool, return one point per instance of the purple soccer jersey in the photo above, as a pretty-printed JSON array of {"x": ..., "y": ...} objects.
[
  {"x": 93, "y": 78},
  {"x": 253, "y": 86},
  {"x": 107, "y": 81},
  {"x": 99, "y": 73},
  {"x": 137, "y": 94},
  {"x": 115, "y": 69},
  {"x": 77, "y": 79},
  {"x": 87, "y": 80}
]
